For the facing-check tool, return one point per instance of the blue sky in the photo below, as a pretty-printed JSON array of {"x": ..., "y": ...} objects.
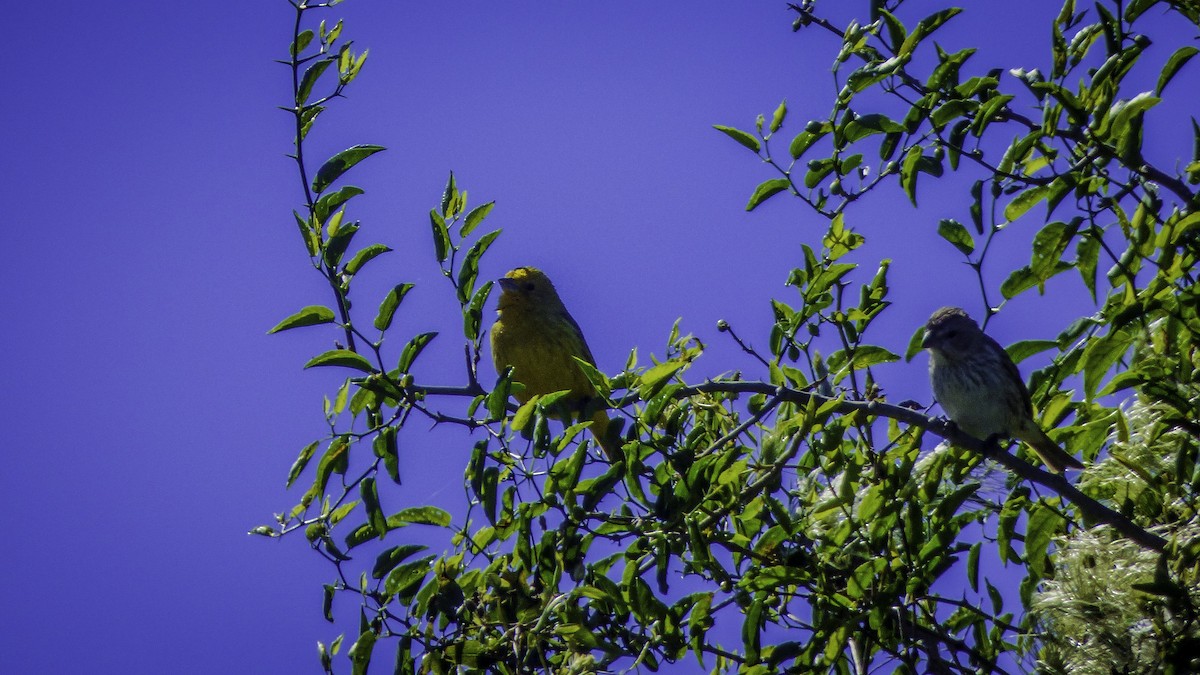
[{"x": 151, "y": 421}]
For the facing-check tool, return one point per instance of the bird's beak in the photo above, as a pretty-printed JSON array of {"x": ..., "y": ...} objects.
[
  {"x": 507, "y": 285},
  {"x": 927, "y": 339}
]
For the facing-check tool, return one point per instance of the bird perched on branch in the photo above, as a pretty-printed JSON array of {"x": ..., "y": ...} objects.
[
  {"x": 980, "y": 388},
  {"x": 536, "y": 336}
]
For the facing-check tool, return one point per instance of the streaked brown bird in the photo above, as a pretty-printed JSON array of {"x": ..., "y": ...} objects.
[
  {"x": 980, "y": 388},
  {"x": 537, "y": 337}
]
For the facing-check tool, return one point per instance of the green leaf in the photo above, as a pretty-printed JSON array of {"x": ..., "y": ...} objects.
[
  {"x": 1087, "y": 255},
  {"x": 301, "y": 42},
  {"x": 309, "y": 316},
  {"x": 908, "y": 173},
  {"x": 330, "y": 201},
  {"x": 765, "y": 191},
  {"x": 469, "y": 272},
  {"x": 340, "y": 163},
  {"x": 413, "y": 349},
  {"x": 1023, "y": 202},
  {"x": 955, "y": 233},
  {"x": 311, "y": 75},
  {"x": 914, "y": 344},
  {"x": 475, "y": 217},
  {"x": 1019, "y": 351},
  {"x": 341, "y": 357},
  {"x": 1043, "y": 523},
  {"x": 404, "y": 579},
  {"x": 301, "y": 462},
  {"x": 336, "y": 247},
  {"x": 653, "y": 379},
  {"x": 740, "y": 136},
  {"x": 804, "y": 140},
  {"x": 777, "y": 118},
  {"x": 1018, "y": 280},
  {"x": 1177, "y": 60},
  {"x": 866, "y": 125},
  {"x": 362, "y": 257},
  {"x": 360, "y": 652},
  {"x": 866, "y": 356},
  {"x": 389, "y": 559},
  {"x": 420, "y": 515},
  {"x": 473, "y": 313},
  {"x": 1098, "y": 358},
  {"x": 441, "y": 235},
  {"x": 370, "y": 498},
  {"x": 387, "y": 308}
]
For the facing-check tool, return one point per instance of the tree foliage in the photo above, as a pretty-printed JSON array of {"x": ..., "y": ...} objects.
[{"x": 788, "y": 519}]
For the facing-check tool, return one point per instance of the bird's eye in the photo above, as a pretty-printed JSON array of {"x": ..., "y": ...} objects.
[
  {"x": 529, "y": 286},
  {"x": 951, "y": 334}
]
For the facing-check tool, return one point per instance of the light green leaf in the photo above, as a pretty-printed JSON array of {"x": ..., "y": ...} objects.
[
  {"x": 419, "y": 515},
  {"x": 1177, "y": 60},
  {"x": 777, "y": 118},
  {"x": 740, "y": 136},
  {"x": 955, "y": 233},
  {"x": 1023, "y": 202},
  {"x": 475, "y": 217},
  {"x": 765, "y": 191},
  {"x": 1019, "y": 351}
]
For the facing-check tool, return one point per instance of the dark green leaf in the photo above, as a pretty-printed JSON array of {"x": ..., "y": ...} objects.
[
  {"x": 336, "y": 247},
  {"x": 387, "y": 308},
  {"x": 389, "y": 559},
  {"x": 311, "y": 75},
  {"x": 360, "y": 652},
  {"x": 370, "y": 498},
  {"x": 309, "y": 316},
  {"x": 341, "y": 357},
  {"x": 330, "y": 201},
  {"x": 441, "y": 235},
  {"x": 413, "y": 349},
  {"x": 362, "y": 257},
  {"x": 469, "y": 271},
  {"x": 473, "y": 313},
  {"x": 862, "y": 126},
  {"x": 340, "y": 163}
]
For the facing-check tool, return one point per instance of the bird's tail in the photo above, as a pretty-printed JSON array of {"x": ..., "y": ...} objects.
[
  {"x": 1054, "y": 457},
  {"x": 610, "y": 444}
]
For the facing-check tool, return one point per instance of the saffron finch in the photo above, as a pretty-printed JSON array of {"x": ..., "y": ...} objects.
[
  {"x": 536, "y": 336},
  {"x": 981, "y": 389}
]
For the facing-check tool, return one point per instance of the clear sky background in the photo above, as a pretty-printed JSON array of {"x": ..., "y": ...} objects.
[{"x": 150, "y": 421}]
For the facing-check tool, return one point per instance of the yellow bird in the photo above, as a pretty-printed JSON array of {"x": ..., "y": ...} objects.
[{"x": 536, "y": 336}]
